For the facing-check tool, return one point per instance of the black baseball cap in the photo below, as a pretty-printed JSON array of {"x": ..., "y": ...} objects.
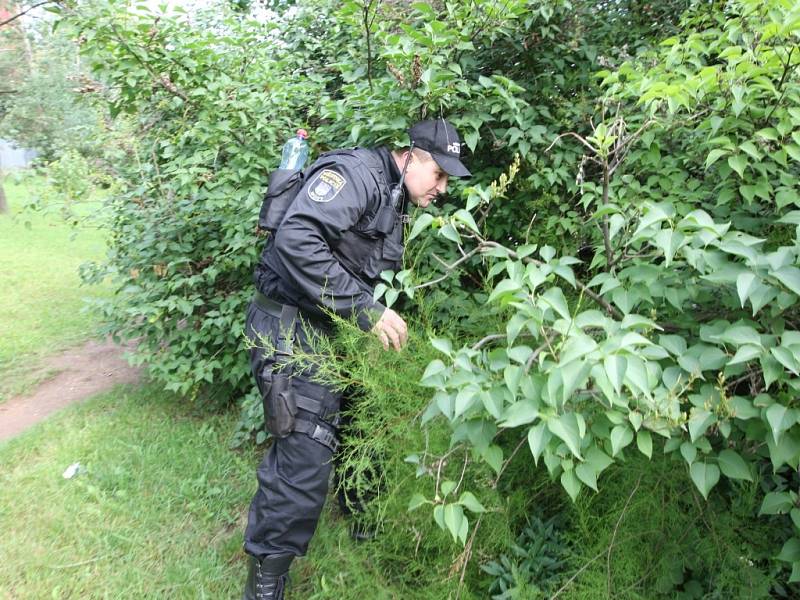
[{"x": 441, "y": 139}]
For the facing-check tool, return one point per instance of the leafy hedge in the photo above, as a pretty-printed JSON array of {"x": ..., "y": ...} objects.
[{"x": 682, "y": 324}]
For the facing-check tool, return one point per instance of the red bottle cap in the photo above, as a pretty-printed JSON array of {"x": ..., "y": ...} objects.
[{"x": 302, "y": 133}]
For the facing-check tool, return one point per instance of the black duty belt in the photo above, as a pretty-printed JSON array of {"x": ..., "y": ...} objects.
[{"x": 271, "y": 307}]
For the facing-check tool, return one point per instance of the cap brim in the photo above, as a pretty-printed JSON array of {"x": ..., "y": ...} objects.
[{"x": 450, "y": 165}]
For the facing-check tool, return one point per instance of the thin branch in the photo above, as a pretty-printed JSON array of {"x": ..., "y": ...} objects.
[
  {"x": 24, "y": 12},
  {"x": 449, "y": 268},
  {"x": 595, "y": 558},
  {"x": 488, "y": 338},
  {"x": 367, "y": 24},
  {"x": 467, "y": 554},
  {"x": 626, "y": 146},
  {"x": 547, "y": 341},
  {"x": 573, "y": 134},
  {"x": 604, "y": 222},
  {"x": 523, "y": 440},
  {"x": 786, "y": 70},
  {"x": 463, "y": 470}
]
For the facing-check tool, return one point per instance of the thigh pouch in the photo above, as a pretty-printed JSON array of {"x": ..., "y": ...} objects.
[{"x": 281, "y": 402}]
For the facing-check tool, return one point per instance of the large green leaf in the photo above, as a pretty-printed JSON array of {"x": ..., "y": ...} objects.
[
  {"x": 699, "y": 421},
  {"x": 554, "y": 298},
  {"x": 733, "y": 466},
  {"x": 520, "y": 413},
  {"x": 790, "y": 551},
  {"x": 571, "y": 483},
  {"x": 689, "y": 452},
  {"x": 780, "y": 419},
  {"x": 738, "y": 162},
  {"x": 456, "y": 522},
  {"x": 421, "y": 222},
  {"x": 644, "y": 442},
  {"x": 576, "y": 346},
  {"x": 744, "y": 283},
  {"x": 507, "y": 287},
  {"x": 739, "y": 335},
  {"x": 597, "y": 459},
  {"x": 715, "y": 155},
  {"x": 538, "y": 436},
  {"x": 776, "y": 503},
  {"x": 470, "y": 502},
  {"x": 465, "y": 217},
  {"x": 746, "y": 354},
  {"x": 795, "y": 514},
  {"x": 493, "y": 455},
  {"x": 621, "y": 436},
  {"x": 790, "y": 277},
  {"x": 615, "y": 366},
  {"x": 573, "y": 376},
  {"x": 567, "y": 428},
  {"x": 785, "y": 451},
  {"x": 668, "y": 241},
  {"x": 705, "y": 477}
]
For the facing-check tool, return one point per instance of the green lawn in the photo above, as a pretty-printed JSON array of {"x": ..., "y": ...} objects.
[
  {"x": 41, "y": 294},
  {"x": 157, "y": 512}
]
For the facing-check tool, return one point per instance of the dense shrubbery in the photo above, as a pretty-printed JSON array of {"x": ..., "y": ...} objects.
[
  {"x": 623, "y": 265},
  {"x": 682, "y": 320}
]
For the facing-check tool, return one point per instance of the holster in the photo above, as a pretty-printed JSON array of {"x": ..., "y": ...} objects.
[
  {"x": 277, "y": 397},
  {"x": 279, "y": 404}
]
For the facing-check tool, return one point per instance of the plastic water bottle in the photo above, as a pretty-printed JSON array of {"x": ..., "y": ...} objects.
[{"x": 295, "y": 152}]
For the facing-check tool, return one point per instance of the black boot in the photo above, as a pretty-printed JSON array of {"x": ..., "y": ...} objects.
[{"x": 266, "y": 578}]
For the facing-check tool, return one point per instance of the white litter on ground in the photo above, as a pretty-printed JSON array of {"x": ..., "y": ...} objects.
[{"x": 71, "y": 470}]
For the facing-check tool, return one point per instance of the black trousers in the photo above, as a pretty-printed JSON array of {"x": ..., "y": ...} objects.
[{"x": 293, "y": 476}]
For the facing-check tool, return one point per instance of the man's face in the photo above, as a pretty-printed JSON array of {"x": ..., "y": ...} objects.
[{"x": 424, "y": 180}]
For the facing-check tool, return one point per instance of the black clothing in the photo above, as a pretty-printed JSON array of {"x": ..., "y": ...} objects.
[
  {"x": 293, "y": 476},
  {"x": 338, "y": 234},
  {"x": 329, "y": 252}
]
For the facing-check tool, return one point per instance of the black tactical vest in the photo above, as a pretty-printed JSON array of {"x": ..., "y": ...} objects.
[
  {"x": 372, "y": 245},
  {"x": 376, "y": 245}
]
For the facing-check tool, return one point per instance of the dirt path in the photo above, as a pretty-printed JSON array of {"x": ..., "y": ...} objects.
[{"x": 81, "y": 371}]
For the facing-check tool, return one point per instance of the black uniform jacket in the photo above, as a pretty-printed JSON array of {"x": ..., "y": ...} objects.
[{"x": 333, "y": 243}]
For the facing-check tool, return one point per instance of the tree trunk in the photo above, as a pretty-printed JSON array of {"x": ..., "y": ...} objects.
[{"x": 3, "y": 202}]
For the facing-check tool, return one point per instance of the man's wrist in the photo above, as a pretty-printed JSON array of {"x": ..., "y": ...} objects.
[{"x": 367, "y": 318}]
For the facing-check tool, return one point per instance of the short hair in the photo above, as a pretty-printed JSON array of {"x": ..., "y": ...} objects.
[{"x": 421, "y": 154}]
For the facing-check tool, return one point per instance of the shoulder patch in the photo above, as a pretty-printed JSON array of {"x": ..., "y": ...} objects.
[{"x": 325, "y": 186}]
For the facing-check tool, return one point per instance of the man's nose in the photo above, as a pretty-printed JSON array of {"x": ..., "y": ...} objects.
[{"x": 441, "y": 187}]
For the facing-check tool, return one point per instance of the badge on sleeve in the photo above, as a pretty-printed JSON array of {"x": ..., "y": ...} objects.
[{"x": 325, "y": 186}]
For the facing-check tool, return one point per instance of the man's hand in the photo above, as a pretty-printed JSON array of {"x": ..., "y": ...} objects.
[{"x": 391, "y": 329}]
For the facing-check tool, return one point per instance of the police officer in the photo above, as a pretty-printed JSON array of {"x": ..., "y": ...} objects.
[{"x": 342, "y": 229}]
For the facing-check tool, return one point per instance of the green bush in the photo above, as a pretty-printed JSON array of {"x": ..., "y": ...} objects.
[{"x": 682, "y": 319}]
